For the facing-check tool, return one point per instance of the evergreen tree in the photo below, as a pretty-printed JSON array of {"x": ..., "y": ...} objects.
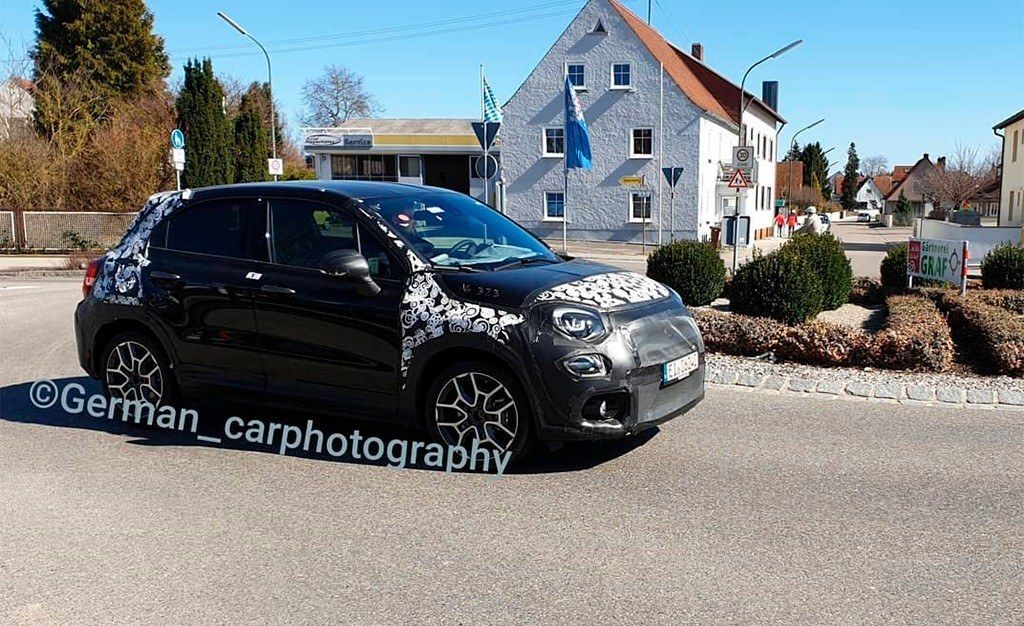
[
  {"x": 794, "y": 152},
  {"x": 849, "y": 190},
  {"x": 111, "y": 42},
  {"x": 250, "y": 143},
  {"x": 815, "y": 167},
  {"x": 260, "y": 94},
  {"x": 208, "y": 133}
]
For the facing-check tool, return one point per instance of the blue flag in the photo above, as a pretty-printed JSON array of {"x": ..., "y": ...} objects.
[
  {"x": 492, "y": 111},
  {"x": 577, "y": 137}
]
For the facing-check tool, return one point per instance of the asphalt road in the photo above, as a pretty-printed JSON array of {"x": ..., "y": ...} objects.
[{"x": 756, "y": 508}]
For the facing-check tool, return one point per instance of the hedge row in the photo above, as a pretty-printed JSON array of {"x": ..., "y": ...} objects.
[
  {"x": 995, "y": 333},
  {"x": 1012, "y": 299},
  {"x": 916, "y": 337}
]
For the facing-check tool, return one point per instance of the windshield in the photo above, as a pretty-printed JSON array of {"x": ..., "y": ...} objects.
[{"x": 452, "y": 230}]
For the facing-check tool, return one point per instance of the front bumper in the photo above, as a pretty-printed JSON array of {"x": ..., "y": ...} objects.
[{"x": 640, "y": 341}]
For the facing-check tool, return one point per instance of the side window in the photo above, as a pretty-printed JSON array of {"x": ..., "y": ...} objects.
[
  {"x": 302, "y": 232},
  {"x": 227, "y": 228},
  {"x": 382, "y": 263}
]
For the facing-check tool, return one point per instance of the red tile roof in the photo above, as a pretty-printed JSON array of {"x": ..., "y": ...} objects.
[{"x": 708, "y": 89}]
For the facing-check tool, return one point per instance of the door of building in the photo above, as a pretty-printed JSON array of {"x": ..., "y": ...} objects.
[{"x": 450, "y": 171}]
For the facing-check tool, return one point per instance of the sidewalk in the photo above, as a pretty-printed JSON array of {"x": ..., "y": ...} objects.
[
  {"x": 17, "y": 262},
  {"x": 631, "y": 256}
]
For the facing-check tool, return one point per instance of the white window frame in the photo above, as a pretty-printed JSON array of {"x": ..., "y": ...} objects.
[
  {"x": 611, "y": 77},
  {"x": 582, "y": 87},
  {"x": 629, "y": 204},
  {"x": 544, "y": 143},
  {"x": 548, "y": 218},
  {"x": 634, "y": 155}
]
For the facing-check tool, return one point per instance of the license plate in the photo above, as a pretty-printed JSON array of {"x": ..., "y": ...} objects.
[{"x": 680, "y": 368}]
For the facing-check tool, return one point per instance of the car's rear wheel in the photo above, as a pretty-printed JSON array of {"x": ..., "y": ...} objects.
[
  {"x": 479, "y": 401},
  {"x": 135, "y": 368}
]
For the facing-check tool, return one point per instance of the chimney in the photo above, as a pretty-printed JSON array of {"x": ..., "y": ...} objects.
[
  {"x": 770, "y": 94},
  {"x": 697, "y": 51},
  {"x": 926, "y": 156}
]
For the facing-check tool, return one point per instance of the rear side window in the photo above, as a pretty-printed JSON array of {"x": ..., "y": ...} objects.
[{"x": 226, "y": 228}]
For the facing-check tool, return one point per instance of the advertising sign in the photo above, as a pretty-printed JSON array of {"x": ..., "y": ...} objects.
[{"x": 937, "y": 259}]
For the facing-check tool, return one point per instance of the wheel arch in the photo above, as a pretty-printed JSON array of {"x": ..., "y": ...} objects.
[{"x": 108, "y": 331}]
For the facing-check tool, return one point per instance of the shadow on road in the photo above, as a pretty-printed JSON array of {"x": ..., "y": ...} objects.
[
  {"x": 881, "y": 246},
  {"x": 16, "y": 406}
]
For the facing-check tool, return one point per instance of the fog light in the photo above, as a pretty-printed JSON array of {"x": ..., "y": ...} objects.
[
  {"x": 586, "y": 365},
  {"x": 613, "y": 406}
]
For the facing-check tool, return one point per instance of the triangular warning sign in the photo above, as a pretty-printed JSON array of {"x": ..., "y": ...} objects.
[{"x": 738, "y": 181}]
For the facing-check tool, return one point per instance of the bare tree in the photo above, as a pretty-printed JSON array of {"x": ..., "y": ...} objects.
[
  {"x": 874, "y": 165},
  {"x": 336, "y": 96},
  {"x": 957, "y": 179}
]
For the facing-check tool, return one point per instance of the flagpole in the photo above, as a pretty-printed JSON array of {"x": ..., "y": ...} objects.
[
  {"x": 483, "y": 118},
  {"x": 565, "y": 163},
  {"x": 661, "y": 154}
]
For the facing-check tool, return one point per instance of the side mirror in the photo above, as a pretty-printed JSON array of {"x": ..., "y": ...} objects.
[{"x": 350, "y": 265}]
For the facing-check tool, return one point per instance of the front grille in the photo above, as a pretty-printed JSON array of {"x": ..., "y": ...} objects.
[{"x": 658, "y": 336}]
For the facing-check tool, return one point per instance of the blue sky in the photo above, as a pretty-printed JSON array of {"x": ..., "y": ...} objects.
[{"x": 898, "y": 78}]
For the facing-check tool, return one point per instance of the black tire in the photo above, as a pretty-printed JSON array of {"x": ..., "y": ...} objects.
[
  {"x": 152, "y": 362},
  {"x": 485, "y": 378}
]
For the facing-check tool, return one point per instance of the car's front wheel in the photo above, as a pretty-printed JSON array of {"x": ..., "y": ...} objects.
[
  {"x": 480, "y": 401},
  {"x": 135, "y": 369}
]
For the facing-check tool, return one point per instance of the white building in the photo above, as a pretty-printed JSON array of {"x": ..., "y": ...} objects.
[
  {"x": 1011, "y": 194},
  {"x": 16, "y": 106},
  {"x": 648, "y": 105}
]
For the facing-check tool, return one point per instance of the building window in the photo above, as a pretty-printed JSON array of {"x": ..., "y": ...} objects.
[
  {"x": 554, "y": 142},
  {"x": 639, "y": 207},
  {"x": 554, "y": 206},
  {"x": 641, "y": 143},
  {"x": 771, "y": 150},
  {"x": 1015, "y": 133},
  {"x": 409, "y": 166},
  {"x": 577, "y": 75},
  {"x": 622, "y": 76},
  {"x": 375, "y": 167}
]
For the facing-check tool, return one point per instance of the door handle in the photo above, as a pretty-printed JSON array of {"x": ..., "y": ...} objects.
[
  {"x": 166, "y": 277},
  {"x": 284, "y": 291}
]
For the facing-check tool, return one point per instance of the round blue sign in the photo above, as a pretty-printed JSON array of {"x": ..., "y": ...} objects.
[{"x": 177, "y": 138}]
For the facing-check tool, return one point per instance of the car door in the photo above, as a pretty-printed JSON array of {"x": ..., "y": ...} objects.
[
  {"x": 202, "y": 265},
  {"x": 324, "y": 344}
]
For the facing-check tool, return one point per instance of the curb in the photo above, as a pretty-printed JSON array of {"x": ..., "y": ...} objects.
[{"x": 891, "y": 392}]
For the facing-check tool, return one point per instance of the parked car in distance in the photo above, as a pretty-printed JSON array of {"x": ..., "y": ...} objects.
[
  {"x": 868, "y": 215},
  {"x": 383, "y": 301}
]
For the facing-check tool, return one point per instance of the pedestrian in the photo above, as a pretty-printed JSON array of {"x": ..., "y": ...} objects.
[
  {"x": 790, "y": 224},
  {"x": 813, "y": 224},
  {"x": 780, "y": 223}
]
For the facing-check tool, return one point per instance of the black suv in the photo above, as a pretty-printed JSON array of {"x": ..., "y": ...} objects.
[{"x": 383, "y": 301}]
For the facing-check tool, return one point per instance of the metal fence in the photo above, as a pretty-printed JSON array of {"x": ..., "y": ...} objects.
[
  {"x": 66, "y": 230},
  {"x": 7, "y": 233}
]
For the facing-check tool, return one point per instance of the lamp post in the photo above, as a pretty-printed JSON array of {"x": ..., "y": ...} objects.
[
  {"x": 270, "y": 80},
  {"x": 742, "y": 136},
  {"x": 792, "y": 145}
]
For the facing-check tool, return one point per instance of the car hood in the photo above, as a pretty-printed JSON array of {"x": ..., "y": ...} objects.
[{"x": 577, "y": 282}]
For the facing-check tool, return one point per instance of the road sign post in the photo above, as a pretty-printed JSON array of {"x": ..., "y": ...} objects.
[
  {"x": 178, "y": 154},
  {"x": 739, "y": 183},
  {"x": 672, "y": 175}
]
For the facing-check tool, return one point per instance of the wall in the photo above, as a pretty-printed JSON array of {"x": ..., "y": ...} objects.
[
  {"x": 1013, "y": 177},
  {"x": 598, "y": 207},
  {"x": 981, "y": 239}
]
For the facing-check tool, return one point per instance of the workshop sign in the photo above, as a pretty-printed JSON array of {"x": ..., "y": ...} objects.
[{"x": 937, "y": 259}]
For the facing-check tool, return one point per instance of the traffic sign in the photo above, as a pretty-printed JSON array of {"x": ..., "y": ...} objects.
[
  {"x": 491, "y": 128},
  {"x": 492, "y": 167},
  {"x": 177, "y": 139},
  {"x": 742, "y": 157},
  {"x": 178, "y": 158},
  {"x": 276, "y": 167},
  {"x": 672, "y": 175},
  {"x": 738, "y": 180}
]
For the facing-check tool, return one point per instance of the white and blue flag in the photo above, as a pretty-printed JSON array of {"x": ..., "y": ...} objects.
[
  {"x": 577, "y": 137},
  {"x": 492, "y": 112}
]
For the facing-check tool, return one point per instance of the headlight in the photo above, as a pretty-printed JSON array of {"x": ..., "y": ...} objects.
[{"x": 579, "y": 324}]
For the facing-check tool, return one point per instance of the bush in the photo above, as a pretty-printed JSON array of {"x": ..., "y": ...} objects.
[
  {"x": 916, "y": 337},
  {"x": 827, "y": 258},
  {"x": 693, "y": 269},
  {"x": 1003, "y": 268},
  {"x": 993, "y": 333},
  {"x": 867, "y": 291},
  {"x": 894, "y": 269},
  {"x": 781, "y": 286}
]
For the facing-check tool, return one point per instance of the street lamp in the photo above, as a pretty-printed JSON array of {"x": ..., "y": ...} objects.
[
  {"x": 742, "y": 142},
  {"x": 792, "y": 146},
  {"x": 270, "y": 80}
]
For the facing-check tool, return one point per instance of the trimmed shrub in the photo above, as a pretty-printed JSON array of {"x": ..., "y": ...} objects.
[
  {"x": 992, "y": 332},
  {"x": 827, "y": 257},
  {"x": 867, "y": 291},
  {"x": 693, "y": 269},
  {"x": 916, "y": 337},
  {"x": 894, "y": 269},
  {"x": 780, "y": 286},
  {"x": 1011, "y": 299},
  {"x": 1003, "y": 268}
]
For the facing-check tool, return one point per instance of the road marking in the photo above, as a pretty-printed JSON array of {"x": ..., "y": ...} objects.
[
  {"x": 13, "y": 287},
  {"x": 207, "y": 439}
]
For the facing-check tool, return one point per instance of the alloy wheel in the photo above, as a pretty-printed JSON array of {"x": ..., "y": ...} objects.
[
  {"x": 133, "y": 373},
  {"x": 476, "y": 406}
]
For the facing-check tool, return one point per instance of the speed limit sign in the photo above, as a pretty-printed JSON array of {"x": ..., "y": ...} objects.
[{"x": 742, "y": 157}]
